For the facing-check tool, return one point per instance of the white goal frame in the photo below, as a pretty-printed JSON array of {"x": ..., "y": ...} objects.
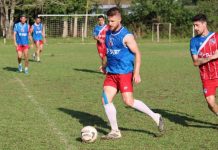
[
  {"x": 158, "y": 31},
  {"x": 84, "y": 28}
]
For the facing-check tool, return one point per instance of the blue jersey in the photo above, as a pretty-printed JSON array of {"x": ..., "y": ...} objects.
[
  {"x": 22, "y": 31},
  {"x": 97, "y": 30},
  {"x": 196, "y": 42},
  {"x": 120, "y": 59},
  {"x": 37, "y": 31}
]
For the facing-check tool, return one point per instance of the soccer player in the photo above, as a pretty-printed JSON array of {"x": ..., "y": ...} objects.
[
  {"x": 37, "y": 32},
  {"x": 204, "y": 53},
  {"x": 99, "y": 34},
  {"x": 123, "y": 68},
  {"x": 21, "y": 42}
]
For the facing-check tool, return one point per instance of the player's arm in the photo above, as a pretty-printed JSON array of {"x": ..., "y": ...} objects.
[
  {"x": 200, "y": 61},
  {"x": 43, "y": 34},
  {"x": 15, "y": 40},
  {"x": 130, "y": 42},
  {"x": 30, "y": 36}
]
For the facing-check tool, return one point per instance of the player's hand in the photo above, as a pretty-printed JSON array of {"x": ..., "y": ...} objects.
[
  {"x": 15, "y": 44},
  {"x": 45, "y": 41},
  {"x": 136, "y": 78},
  {"x": 102, "y": 69},
  {"x": 101, "y": 41}
]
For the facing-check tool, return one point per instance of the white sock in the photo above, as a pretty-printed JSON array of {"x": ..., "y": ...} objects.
[
  {"x": 26, "y": 68},
  {"x": 139, "y": 105},
  {"x": 111, "y": 115}
]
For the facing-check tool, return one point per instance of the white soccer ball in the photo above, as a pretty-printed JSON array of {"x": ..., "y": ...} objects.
[{"x": 89, "y": 134}]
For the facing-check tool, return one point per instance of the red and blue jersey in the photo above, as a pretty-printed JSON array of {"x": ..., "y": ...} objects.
[
  {"x": 22, "y": 32},
  {"x": 120, "y": 59},
  {"x": 205, "y": 46},
  {"x": 37, "y": 31},
  {"x": 100, "y": 31}
]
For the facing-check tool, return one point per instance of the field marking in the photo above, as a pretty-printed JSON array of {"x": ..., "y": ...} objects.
[{"x": 51, "y": 123}]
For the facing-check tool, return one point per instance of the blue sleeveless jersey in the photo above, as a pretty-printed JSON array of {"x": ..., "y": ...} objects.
[
  {"x": 22, "y": 31},
  {"x": 120, "y": 60},
  {"x": 37, "y": 31}
]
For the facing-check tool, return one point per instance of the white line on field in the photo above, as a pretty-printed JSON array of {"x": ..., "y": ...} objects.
[{"x": 51, "y": 123}]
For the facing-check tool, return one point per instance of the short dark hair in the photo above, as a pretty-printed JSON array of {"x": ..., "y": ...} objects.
[
  {"x": 113, "y": 11},
  {"x": 37, "y": 17},
  {"x": 100, "y": 16},
  {"x": 23, "y": 15},
  {"x": 200, "y": 17}
]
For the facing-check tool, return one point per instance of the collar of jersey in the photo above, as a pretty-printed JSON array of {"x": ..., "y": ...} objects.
[{"x": 116, "y": 32}]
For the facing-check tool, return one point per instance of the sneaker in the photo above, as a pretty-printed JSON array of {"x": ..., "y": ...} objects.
[
  {"x": 161, "y": 123},
  {"x": 112, "y": 135},
  {"x": 20, "y": 68},
  {"x": 26, "y": 71}
]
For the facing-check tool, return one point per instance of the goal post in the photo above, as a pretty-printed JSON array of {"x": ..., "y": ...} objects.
[
  {"x": 164, "y": 28},
  {"x": 71, "y": 25}
]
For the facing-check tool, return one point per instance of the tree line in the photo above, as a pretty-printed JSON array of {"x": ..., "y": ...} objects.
[{"x": 139, "y": 17}]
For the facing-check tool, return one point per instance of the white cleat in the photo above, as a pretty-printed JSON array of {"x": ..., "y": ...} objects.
[{"x": 112, "y": 135}]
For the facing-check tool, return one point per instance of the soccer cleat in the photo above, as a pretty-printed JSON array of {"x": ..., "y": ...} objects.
[
  {"x": 161, "y": 123},
  {"x": 112, "y": 135},
  {"x": 26, "y": 71},
  {"x": 20, "y": 69}
]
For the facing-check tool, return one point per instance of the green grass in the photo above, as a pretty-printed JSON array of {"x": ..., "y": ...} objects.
[{"x": 46, "y": 109}]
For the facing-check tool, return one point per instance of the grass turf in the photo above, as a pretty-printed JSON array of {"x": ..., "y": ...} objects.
[{"x": 47, "y": 108}]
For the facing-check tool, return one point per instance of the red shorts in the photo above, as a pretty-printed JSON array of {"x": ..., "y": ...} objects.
[
  {"x": 39, "y": 41},
  {"x": 209, "y": 87},
  {"x": 22, "y": 48},
  {"x": 101, "y": 50},
  {"x": 122, "y": 82}
]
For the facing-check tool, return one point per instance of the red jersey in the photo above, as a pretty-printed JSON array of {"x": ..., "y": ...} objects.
[{"x": 207, "y": 47}]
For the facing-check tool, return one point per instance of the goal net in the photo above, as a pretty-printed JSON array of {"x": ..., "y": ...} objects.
[
  {"x": 161, "y": 31},
  {"x": 75, "y": 25}
]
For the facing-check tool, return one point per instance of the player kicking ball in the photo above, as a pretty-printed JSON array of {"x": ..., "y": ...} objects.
[
  {"x": 99, "y": 35},
  {"x": 21, "y": 42},
  {"x": 37, "y": 32},
  {"x": 123, "y": 68},
  {"x": 204, "y": 53}
]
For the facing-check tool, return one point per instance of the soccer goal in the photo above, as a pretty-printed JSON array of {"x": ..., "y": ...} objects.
[
  {"x": 162, "y": 31},
  {"x": 73, "y": 25}
]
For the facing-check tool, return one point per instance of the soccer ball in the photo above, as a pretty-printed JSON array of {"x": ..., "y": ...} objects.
[{"x": 89, "y": 134}]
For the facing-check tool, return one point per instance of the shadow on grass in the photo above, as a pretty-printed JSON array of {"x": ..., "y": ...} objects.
[
  {"x": 185, "y": 119},
  {"x": 96, "y": 121},
  {"x": 12, "y": 69},
  {"x": 88, "y": 70}
]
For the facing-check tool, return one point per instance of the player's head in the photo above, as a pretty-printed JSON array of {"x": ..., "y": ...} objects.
[
  {"x": 200, "y": 24},
  {"x": 114, "y": 18},
  {"x": 101, "y": 20},
  {"x": 23, "y": 18},
  {"x": 37, "y": 20}
]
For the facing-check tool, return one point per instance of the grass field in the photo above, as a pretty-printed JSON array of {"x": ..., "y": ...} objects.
[{"x": 46, "y": 109}]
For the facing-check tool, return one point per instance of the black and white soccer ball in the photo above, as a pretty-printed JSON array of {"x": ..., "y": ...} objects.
[{"x": 89, "y": 134}]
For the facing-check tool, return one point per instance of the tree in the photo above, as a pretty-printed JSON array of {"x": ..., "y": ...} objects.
[{"x": 7, "y": 13}]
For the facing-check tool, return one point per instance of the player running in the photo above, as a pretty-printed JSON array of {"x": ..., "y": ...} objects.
[
  {"x": 21, "y": 42},
  {"x": 99, "y": 34},
  {"x": 123, "y": 68},
  {"x": 204, "y": 53},
  {"x": 37, "y": 32}
]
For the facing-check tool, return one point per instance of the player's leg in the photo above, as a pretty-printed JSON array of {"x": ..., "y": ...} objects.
[
  {"x": 26, "y": 60},
  {"x": 38, "y": 48},
  {"x": 209, "y": 89},
  {"x": 211, "y": 101},
  {"x": 19, "y": 58},
  {"x": 126, "y": 89},
  {"x": 140, "y": 106},
  {"x": 107, "y": 99}
]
